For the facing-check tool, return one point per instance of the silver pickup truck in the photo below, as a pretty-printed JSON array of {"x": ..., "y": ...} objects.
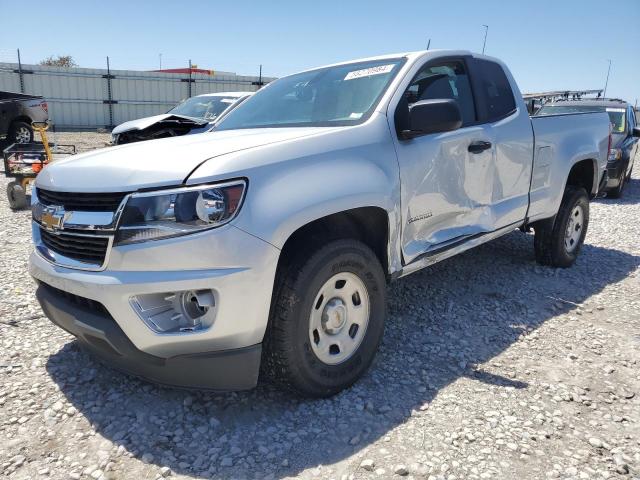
[{"x": 265, "y": 246}]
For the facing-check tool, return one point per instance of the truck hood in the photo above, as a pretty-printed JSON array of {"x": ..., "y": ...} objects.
[
  {"x": 142, "y": 123},
  {"x": 156, "y": 163}
]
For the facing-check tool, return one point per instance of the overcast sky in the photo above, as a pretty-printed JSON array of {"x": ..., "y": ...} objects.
[{"x": 549, "y": 45}]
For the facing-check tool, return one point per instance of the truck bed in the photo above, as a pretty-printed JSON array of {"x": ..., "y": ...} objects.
[{"x": 560, "y": 141}]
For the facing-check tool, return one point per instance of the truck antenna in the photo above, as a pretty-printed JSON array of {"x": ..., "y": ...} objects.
[
  {"x": 604, "y": 95},
  {"x": 486, "y": 30}
]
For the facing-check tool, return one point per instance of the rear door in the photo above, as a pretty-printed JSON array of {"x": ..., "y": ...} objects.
[
  {"x": 512, "y": 136},
  {"x": 446, "y": 178}
]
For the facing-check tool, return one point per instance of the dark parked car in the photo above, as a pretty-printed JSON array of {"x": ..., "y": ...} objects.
[
  {"x": 17, "y": 112},
  {"x": 625, "y": 138}
]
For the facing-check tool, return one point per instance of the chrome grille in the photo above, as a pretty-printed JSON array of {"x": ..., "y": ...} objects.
[
  {"x": 84, "y": 248},
  {"x": 87, "y": 202}
]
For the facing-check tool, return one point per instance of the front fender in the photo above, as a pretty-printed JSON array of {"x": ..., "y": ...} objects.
[
  {"x": 291, "y": 184},
  {"x": 282, "y": 205}
]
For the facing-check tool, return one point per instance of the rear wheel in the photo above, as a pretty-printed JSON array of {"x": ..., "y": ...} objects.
[
  {"x": 17, "y": 196},
  {"x": 327, "y": 319},
  {"x": 20, "y": 132},
  {"x": 558, "y": 240}
]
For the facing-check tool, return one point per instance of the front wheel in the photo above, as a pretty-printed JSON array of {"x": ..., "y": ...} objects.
[
  {"x": 558, "y": 240},
  {"x": 327, "y": 319}
]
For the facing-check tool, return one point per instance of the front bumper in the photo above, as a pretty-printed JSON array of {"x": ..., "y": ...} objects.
[
  {"x": 97, "y": 331},
  {"x": 236, "y": 266}
]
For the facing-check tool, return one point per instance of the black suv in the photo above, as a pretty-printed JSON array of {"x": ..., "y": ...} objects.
[{"x": 625, "y": 133}]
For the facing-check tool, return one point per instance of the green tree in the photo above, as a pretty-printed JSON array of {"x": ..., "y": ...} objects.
[{"x": 59, "y": 61}]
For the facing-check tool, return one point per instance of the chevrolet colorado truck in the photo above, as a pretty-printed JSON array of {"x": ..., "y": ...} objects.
[{"x": 265, "y": 246}]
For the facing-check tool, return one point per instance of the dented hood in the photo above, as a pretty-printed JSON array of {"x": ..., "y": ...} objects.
[
  {"x": 155, "y": 163},
  {"x": 142, "y": 123}
]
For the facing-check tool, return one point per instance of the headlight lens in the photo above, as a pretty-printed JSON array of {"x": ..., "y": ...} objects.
[
  {"x": 171, "y": 213},
  {"x": 615, "y": 154}
]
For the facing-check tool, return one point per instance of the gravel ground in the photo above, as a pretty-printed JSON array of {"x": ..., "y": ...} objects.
[{"x": 491, "y": 367}]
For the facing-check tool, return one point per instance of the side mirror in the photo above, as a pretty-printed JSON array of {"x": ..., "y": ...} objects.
[
  {"x": 636, "y": 132},
  {"x": 432, "y": 116}
]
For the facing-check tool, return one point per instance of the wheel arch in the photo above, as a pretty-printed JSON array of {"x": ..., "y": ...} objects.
[
  {"x": 369, "y": 224},
  {"x": 583, "y": 173},
  {"x": 21, "y": 118}
]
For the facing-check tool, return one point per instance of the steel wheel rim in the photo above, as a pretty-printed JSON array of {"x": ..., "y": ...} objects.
[
  {"x": 573, "y": 232},
  {"x": 23, "y": 135},
  {"x": 339, "y": 318}
]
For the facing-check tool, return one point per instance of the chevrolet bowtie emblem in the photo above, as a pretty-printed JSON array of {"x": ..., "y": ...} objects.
[{"x": 52, "y": 217}]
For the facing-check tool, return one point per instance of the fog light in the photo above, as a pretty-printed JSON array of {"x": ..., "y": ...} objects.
[{"x": 175, "y": 312}]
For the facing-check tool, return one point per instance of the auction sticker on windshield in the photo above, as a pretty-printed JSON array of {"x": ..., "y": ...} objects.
[{"x": 367, "y": 72}]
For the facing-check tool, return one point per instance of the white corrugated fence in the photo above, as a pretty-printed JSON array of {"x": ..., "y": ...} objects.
[{"x": 79, "y": 98}]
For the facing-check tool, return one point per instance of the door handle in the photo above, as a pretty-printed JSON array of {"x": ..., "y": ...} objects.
[{"x": 479, "y": 146}]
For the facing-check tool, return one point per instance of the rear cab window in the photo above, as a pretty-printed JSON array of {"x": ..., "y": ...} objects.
[{"x": 494, "y": 94}]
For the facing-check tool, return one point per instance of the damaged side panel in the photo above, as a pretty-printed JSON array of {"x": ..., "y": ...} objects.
[{"x": 446, "y": 193}]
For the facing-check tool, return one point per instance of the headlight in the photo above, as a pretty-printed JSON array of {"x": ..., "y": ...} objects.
[
  {"x": 615, "y": 154},
  {"x": 180, "y": 211}
]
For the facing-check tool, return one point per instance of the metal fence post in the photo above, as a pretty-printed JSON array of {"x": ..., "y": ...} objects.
[
  {"x": 109, "y": 100},
  {"x": 20, "y": 74},
  {"x": 259, "y": 83}
]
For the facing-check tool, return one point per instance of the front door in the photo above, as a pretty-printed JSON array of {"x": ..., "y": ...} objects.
[{"x": 446, "y": 178}]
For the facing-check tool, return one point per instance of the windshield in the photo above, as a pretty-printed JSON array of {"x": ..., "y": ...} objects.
[
  {"x": 206, "y": 108},
  {"x": 332, "y": 96},
  {"x": 616, "y": 115}
]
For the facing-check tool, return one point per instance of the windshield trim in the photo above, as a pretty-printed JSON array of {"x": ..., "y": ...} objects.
[{"x": 399, "y": 63}]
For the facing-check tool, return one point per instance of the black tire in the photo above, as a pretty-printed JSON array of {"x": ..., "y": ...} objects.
[
  {"x": 549, "y": 241},
  {"x": 17, "y": 196},
  {"x": 20, "y": 132},
  {"x": 288, "y": 355}
]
